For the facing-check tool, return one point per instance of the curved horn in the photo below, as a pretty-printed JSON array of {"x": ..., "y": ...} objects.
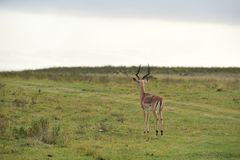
[
  {"x": 138, "y": 72},
  {"x": 147, "y": 75}
]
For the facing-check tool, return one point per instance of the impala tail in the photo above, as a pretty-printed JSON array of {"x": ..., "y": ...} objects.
[{"x": 161, "y": 104}]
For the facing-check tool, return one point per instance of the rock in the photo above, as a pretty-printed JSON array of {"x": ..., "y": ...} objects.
[{"x": 100, "y": 130}]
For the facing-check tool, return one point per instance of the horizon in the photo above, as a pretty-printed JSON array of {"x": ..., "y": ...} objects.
[
  {"x": 43, "y": 34},
  {"x": 112, "y": 66}
]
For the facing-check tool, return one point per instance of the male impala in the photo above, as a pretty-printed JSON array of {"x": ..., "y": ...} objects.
[{"x": 149, "y": 103}]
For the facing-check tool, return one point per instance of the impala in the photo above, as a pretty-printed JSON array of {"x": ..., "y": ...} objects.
[{"x": 150, "y": 103}]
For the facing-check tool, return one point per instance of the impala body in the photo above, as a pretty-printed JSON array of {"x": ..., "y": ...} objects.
[{"x": 150, "y": 103}]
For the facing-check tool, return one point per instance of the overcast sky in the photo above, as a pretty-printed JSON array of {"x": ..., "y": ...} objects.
[{"x": 47, "y": 33}]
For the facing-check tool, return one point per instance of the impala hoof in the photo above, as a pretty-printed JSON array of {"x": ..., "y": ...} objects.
[
  {"x": 156, "y": 132},
  {"x": 161, "y": 132}
]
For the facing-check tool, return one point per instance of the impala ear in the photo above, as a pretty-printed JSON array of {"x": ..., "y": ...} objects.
[
  {"x": 134, "y": 79},
  {"x": 148, "y": 77}
]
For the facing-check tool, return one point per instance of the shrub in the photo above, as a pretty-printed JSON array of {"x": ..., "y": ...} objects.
[
  {"x": 39, "y": 130},
  {"x": 52, "y": 137},
  {"x": 19, "y": 132}
]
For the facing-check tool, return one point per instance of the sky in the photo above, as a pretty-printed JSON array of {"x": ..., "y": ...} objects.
[{"x": 56, "y": 33}]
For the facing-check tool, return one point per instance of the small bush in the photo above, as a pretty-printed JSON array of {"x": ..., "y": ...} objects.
[
  {"x": 20, "y": 132},
  {"x": 39, "y": 128},
  {"x": 41, "y": 131},
  {"x": 52, "y": 136}
]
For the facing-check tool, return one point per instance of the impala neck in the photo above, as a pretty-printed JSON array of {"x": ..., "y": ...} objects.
[{"x": 142, "y": 90}]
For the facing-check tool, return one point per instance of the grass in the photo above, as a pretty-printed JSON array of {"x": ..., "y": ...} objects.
[{"x": 47, "y": 114}]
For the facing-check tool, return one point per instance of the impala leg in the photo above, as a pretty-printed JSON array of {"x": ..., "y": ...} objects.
[
  {"x": 161, "y": 119},
  {"x": 157, "y": 121},
  {"x": 145, "y": 121}
]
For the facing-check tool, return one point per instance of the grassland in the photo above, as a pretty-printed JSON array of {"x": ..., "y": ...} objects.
[{"x": 94, "y": 113}]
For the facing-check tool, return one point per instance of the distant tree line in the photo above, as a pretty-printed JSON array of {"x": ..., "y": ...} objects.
[{"x": 79, "y": 73}]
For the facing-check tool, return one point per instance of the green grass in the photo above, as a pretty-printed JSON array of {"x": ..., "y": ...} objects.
[{"x": 48, "y": 115}]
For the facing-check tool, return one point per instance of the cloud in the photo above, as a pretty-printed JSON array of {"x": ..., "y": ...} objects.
[
  {"x": 36, "y": 34},
  {"x": 217, "y": 11},
  {"x": 42, "y": 40}
]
